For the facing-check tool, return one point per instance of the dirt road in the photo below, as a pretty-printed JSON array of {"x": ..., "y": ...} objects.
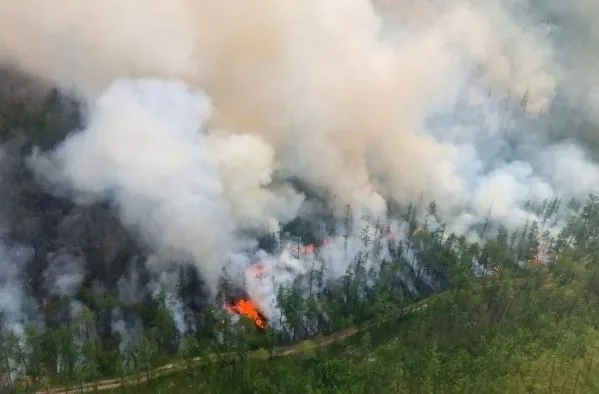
[{"x": 108, "y": 384}]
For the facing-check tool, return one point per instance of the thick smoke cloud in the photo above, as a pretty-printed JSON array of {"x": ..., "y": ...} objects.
[
  {"x": 184, "y": 191},
  {"x": 201, "y": 111}
]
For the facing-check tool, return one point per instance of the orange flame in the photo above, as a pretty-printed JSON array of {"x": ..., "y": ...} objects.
[
  {"x": 247, "y": 308},
  {"x": 307, "y": 249}
]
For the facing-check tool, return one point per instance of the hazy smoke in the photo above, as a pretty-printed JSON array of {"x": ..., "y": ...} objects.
[
  {"x": 201, "y": 111},
  {"x": 64, "y": 274},
  {"x": 12, "y": 294}
]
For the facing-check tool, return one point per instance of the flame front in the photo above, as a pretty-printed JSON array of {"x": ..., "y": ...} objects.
[{"x": 247, "y": 308}]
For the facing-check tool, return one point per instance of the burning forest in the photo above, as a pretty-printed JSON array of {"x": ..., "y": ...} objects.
[
  {"x": 171, "y": 166},
  {"x": 245, "y": 307}
]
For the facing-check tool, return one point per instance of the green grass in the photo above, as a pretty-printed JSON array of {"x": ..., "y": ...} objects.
[{"x": 458, "y": 344}]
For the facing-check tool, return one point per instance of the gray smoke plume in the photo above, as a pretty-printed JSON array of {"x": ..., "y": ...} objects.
[
  {"x": 64, "y": 274},
  {"x": 201, "y": 112},
  {"x": 12, "y": 293},
  {"x": 183, "y": 190}
]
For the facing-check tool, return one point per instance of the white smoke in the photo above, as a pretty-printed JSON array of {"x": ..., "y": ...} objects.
[
  {"x": 200, "y": 111},
  {"x": 164, "y": 283},
  {"x": 12, "y": 294},
  {"x": 365, "y": 248},
  {"x": 130, "y": 290},
  {"x": 64, "y": 274},
  {"x": 185, "y": 190}
]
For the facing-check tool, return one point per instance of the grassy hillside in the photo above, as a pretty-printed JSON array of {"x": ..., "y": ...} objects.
[{"x": 534, "y": 332}]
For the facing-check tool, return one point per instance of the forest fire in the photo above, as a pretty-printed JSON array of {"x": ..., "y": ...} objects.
[
  {"x": 308, "y": 249},
  {"x": 246, "y": 307}
]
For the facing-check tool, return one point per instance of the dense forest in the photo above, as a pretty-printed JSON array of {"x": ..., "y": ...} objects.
[
  {"x": 512, "y": 313},
  {"x": 299, "y": 197}
]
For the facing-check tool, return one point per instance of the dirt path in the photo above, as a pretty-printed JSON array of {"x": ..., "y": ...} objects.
[{"x": 286, "y": 351}]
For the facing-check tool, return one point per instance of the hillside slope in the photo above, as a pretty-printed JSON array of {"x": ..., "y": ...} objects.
[{"x": 536, "y": 332}]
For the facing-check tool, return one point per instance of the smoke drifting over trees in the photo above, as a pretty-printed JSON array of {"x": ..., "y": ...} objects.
[{"x": 161, "y": 144}]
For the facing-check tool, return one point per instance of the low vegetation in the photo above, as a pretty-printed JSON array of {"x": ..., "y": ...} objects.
[{"x": 522, "y": 327}]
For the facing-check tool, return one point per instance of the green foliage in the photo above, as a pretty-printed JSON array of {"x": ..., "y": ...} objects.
[
  {"x": 505, "y": 334},
  {"x": 520, "y": 327}
]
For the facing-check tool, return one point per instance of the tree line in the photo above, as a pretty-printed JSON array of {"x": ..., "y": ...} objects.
[{"x": 77, "y": 345}]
